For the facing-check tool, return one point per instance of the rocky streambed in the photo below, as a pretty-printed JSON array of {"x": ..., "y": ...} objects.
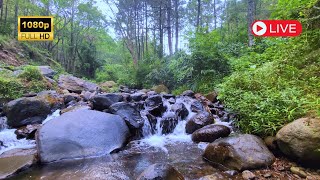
[{"x": 80, "y": 133}]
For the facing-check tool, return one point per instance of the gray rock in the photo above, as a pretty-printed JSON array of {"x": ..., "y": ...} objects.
[
  {"x": 239, "y": 152},
  {"x": 129, "y": 113},
  {"x": 188, "y": 93},
  {"x": 76, "y": 85},
  {"x": 160, "y": 172},
  {"x": 300, "y": 140},
  {"x": 27, "y": 132},
  {"x": 80, "y": 134},
  {"x": 210, "y": 133},
  {"x": 198, "y": 121},
  {"x": 26, "y": 110},
  {"x": 104, "y": 101},
  {"x": 196, "y": 106},
  {"x": 47, "y": 71}
]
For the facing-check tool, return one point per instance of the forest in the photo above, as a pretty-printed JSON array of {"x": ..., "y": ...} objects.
[{"x": 202, "y": 45}]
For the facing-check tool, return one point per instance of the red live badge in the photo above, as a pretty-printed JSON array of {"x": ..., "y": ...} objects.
[{"x": 276, "y": 28}]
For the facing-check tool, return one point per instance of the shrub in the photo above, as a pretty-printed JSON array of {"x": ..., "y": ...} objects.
[
  {"x": 10, "y": 88},
  {"x": 31, "y": 73}
]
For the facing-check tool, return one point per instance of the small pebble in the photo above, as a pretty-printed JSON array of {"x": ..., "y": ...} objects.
[
  {"x": 248, "y": 175},
  {"x": 267, "y": 175},
  {"x": 298, "y": 171},
  {"x": 231, "y": 172}
]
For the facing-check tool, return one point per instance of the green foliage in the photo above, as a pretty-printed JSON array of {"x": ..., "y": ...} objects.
[
  {"x": 31, "y": 73},
  {"x": 10, "y": 88},
  {"x": 281, "y": 87}
]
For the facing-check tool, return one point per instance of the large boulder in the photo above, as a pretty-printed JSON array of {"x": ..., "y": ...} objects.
[
  {"x": 47, "y": 71},
  {"x": 26, "y": 110},
  {"x": 300, "y": 140},
  {"x": 80, "y": 134},
  {"x": 76, "y": 85},
  {"x": 160, "y": 171},
  {"x": 239, "y": 152},
  {"x": 104, "y": 101},
  {"x": 129, "y": 113},
  {"x": 210, "y": 133},
  {"x": 198, "y": 121}
]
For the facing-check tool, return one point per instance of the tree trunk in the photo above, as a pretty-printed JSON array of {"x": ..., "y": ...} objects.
[
  {"x": 161, "y": 32},
  {"x": 16, "y": 8},
  {"x": 169, "y": 9},
  {"x": 251, "y": 9},
  {"x": 176, "y": 10},
  {"x": 198, "y": 14},
  {"x": 146, "y": 16},
  {"x": 1, "y": 7},
  {"x": 215, "y": 14}
]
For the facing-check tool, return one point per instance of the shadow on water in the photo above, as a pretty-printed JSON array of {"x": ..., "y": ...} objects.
[{"x": 127, "y": 164}]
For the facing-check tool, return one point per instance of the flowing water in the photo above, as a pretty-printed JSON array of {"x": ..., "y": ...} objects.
[{"x": 175, "y": 148}]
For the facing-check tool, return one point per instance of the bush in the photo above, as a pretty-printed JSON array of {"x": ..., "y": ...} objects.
[
  {"x": 284, "y": 86},
  {"x": 31, "y": 73},
  {"x": 10, "y": 88}
]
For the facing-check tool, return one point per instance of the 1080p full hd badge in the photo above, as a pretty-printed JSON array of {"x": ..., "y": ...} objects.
[{"x": 35, "y": 28}]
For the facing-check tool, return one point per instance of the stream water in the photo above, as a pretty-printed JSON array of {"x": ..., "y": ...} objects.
[{"x": 175, "y": 148}]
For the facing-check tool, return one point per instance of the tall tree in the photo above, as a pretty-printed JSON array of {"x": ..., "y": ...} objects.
[
  {"x": 176, "y": 16},
  {"x": 251, "y": 13}
]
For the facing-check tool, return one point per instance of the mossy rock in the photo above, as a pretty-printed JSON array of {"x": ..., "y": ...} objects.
[{"x": 160, "y": 89}]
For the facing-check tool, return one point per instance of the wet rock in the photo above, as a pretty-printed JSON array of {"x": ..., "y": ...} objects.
[
  {"x": 171, "y": 100},
  {"x": 155, "y": 106},
  {"x": 248, "y": 175},
  {"x": 168, "y": 124},
  {"x": 126, "y": 97},
  {"x": 298, "y": 171},
  {"x": 180, "y": 110},
  {"x": 241, "y": 152},
  {"x": 153, "y": 121},
  {"x": 168, "y": 96},
  {"x": 198, "y": 121},
  {"x": 11, "y": 165},
  {"x": 30, "y": 94},
  {"x": 80, "y": 134},
  {"x": 76, "y": 85},
  {"x": 212, "y": 96},
  {"x": 104, "y": 101},
  {"x": 160, "y": 171},
  {"x": 210, "y": 133},
  {"x": 196, "y": 106},
  {"x": 188, "y": 93},
  {"x": 27, "y": 132},
  {"x": 26, "y": 110},
  {"x": 130, "y": 114},
  {"x": 138, "y": 96},
  {"x": 151, "y": 93},
  {"x": 160, "y": 89},
  {"x": 47, "y": 71},
  {"x": 300, "y": 140}
]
